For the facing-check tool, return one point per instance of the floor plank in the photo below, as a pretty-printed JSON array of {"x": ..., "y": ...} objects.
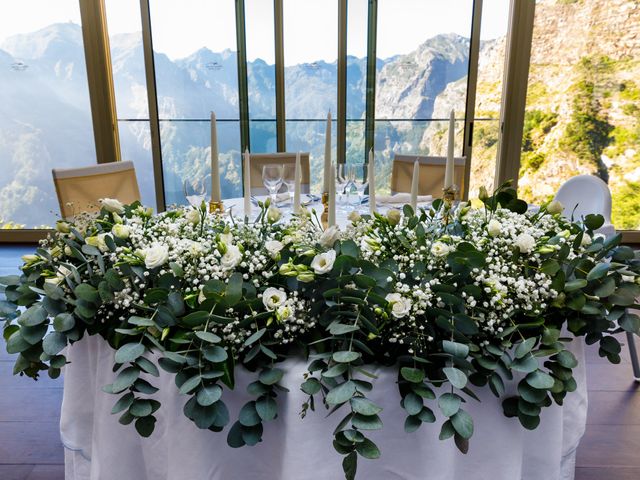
[
  {"x": 30, "y": 443},
  {"x": 607, "y": 473},
  {"x": 610, "y": 445},
  {"x": 32, "y": 472}
]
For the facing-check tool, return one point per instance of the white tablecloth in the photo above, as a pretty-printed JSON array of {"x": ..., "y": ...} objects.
[{"x": 99, "y": 448}]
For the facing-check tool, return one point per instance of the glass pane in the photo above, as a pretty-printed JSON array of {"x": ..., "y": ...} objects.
[
  {"x": 357, "y": 13},
  {"x": 195, "y": 58},
  {"x": 412, "y": 137},
  {"x": 310, "y": 55},
  {"x": 135, "y": 145},
  {"x": 423, "y": 60},
  {"x": 261, "y": 75},
  {"x": 582, "y": 114},
  {"x": 45, "y": 117},
  {"x": 127, "y": 59},
  {"x": 186, "y": 153},
  {"x": 493, "y": 32}
]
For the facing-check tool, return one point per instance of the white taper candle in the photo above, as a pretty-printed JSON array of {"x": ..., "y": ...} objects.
[
  {"x": 298, "y": 180},
  {"x": 415, "y": 180},
  {"x": 449, "y": 168},
  {"x": 331, "y": 218},
  {"x": 327, "y": 154}
]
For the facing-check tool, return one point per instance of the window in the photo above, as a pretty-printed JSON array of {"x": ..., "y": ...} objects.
[
  {"x": 196, "y": 73},
  {"x": 583, "y": 104},
  {"x": 310, "y": 54},
  {"x": 423, "y": 52},
  {"x": 130, "y": 88},
  {"x": 45, "y": 117},
  {"x": 357, "y": 22},
  {"x": 486, "y": 129}
]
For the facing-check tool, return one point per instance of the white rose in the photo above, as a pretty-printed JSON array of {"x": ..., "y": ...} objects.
[
  {"x": 525, "y": 243},
  {"x": 272, "y": 298},
  {"x": 112, "y": 205},
  {"x": 440, "y": 249},
  {"x": 494, "y": 228},
  {"x": 555, "y": 207},
  {"x": 354, "y": 216},
  {"x": 231, "y": 257},
  {"x": 155, "y": 255},
  {"x": 323, "y": 262},
  {"x": 329, "y": 236},
  {"x": 273, "y": 247},
  {"x": 121, "y": 231},
  {"x": 586, "y": 239},
  {"x": 400, "y": 306},
  {"x": 98, "y": 241},
  {"x": 273, "y": 214},
  {"x": 193, "y": 216}
]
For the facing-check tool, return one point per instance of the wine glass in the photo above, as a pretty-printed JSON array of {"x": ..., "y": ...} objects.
[
  {"x": 289, "y": 179},
  {"x": 272, "y": 176},
  {"x": 360, "y": 179},
  {"x": 343, "y": 186},
  {"x": 195, "y": 190}
]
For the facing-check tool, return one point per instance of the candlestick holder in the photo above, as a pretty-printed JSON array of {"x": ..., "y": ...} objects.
[
  {"x": 449, "y": 194},
  {"x": 216, "y": 207},
  {"x": 324, "y": 218}
]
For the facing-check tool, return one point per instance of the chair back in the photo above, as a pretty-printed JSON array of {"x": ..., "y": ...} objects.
[
  {"x": 432, "y": 171},
  {"x": 259, "y": 160},
  {"x": 585, "y": 194},
  {"x": 80, "y": 189}
]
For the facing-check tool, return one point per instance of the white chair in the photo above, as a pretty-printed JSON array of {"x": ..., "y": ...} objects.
[{"x": 585, "y": 194}]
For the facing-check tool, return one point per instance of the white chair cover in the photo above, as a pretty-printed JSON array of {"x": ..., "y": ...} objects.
[{"x": 585, "y": 194}]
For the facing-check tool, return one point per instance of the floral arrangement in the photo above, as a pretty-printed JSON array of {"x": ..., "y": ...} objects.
[{"x": 455, "y": 297}]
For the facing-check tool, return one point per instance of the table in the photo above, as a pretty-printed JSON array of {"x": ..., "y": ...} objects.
[{"x": 97, "y": 447}]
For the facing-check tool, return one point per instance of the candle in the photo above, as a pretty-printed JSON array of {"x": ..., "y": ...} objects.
[
  {"x": 448, "y": 172},
  {"x": 298, "y": 179},
  {"x": 372, "y": 183},
  {"x": 247, "y": 184},
  {"x": 414, "y": 185},
  {"x": 215, "y": 165},
  {"x": 331, "y": 220},
  {"x": 327, "y": 154}
]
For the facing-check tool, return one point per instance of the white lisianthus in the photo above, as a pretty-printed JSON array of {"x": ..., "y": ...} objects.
[
  {"x": 400, "y": 306},
  {"x": 273, "y": 214},
  {"x": 273, "y": 248},
  {"x": 555, "y": 207},
  {"x": 494, "y": 228},
  {"x": 226, "y": 238},
  {"x": 394, "y": 216},
  {"x": 112, "y": 205},
  {"x": 440, "y": 249},
  {"x": 284, "y": 312},
  {"x": 121, "y": 231},
  {"x": 329, "y": 236},
  {"x": 272, "y": 298},
  {"x": 369, "y": 244},
  {"x": 30, "y": 258},
  {"x": 193, "y": 216},
  {"x": 354, "y": 216},
  {"x": 201, "y": 297},
  {"x": 194, "y": 248},
  {"x": 155, "y": 256},
  {"x": 67, "y": 251},
  {"x": 323, "y": 262},
  {"x": 63, "y": 227},
  {"x": 586, "y": 239},
  {"x": 117, "y": 218},
  {"x": 525, "y": 243},
  {"x": 98, "y": 241},
  {"x": 231, "y": 257}
]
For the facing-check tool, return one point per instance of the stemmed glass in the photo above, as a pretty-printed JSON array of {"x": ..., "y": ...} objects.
[
  {"x": 195, "y": 190},
  {"x": 272, "y": 176},
  {"x": 360, "y": 178},
  {"x": 289, "y": 179},
  {"x": 343, "y": 184}
]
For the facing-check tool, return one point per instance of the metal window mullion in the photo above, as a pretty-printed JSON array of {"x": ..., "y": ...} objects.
[
  {"x": 243, "y": 88},
  {"x": 472, "y": 83},
  {"x": 370, "y": 99},
  {"x": 278, "y": 16},
  {"x": 514, "y": 90},
  {"x": 152, "y": 99},
  {"x": 341, "y": 117}
]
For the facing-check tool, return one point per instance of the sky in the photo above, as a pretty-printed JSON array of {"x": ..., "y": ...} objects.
[{"x": 310, "y": 26}]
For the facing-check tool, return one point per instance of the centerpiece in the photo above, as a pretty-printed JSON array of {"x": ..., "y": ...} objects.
[{"x": 457, "y": 298}]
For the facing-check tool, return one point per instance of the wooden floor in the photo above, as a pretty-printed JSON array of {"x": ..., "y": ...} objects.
[{"x": 30, "y": 445}]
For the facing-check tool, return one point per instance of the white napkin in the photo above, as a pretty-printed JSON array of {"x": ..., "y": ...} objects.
[{"x": 401, "y": 198}]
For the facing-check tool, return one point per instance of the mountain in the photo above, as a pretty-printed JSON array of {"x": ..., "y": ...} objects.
[{"x": 45, "y": 120}]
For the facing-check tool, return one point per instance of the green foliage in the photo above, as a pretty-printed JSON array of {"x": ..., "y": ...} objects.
[{"x": 625, "y": 213}]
